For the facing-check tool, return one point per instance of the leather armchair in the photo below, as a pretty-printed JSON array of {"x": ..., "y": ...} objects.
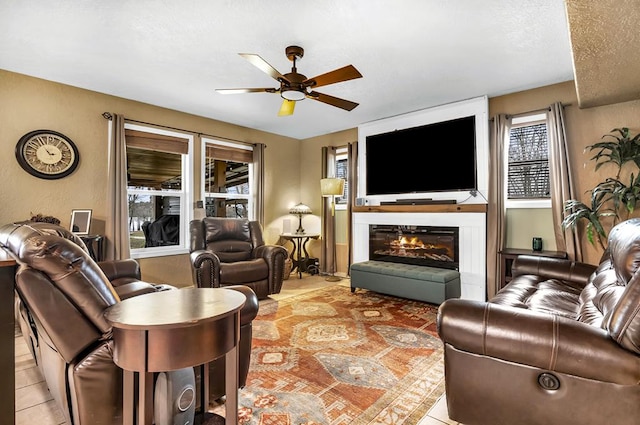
[
  {"x": 231, "y": 251},
  {"x": 560, "y": 344},
  {"x": 61, "y": 297},
  {"x": 248, "y": 312}
]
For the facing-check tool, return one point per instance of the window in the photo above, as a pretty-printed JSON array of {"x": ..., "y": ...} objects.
[
  {"x": 342, "y": 172},
  {"x": 158, "y": 189},
  {"x": 227, "y": 171},
  {"x": 528, "y": 163}
]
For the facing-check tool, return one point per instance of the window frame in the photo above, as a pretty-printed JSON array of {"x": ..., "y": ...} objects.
[
  {"x": 342, "y": 154},
  {"x": 185, "y": 194},
  {"x": 250, "y": 197},
  {"x": 516, "y": 122}
]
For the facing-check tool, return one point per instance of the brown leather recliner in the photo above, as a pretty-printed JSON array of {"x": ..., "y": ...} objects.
[
  {"x": 560, "y": 344},
  {"x": 232, "y": 251},
  {"x": 62, "y": 295}
]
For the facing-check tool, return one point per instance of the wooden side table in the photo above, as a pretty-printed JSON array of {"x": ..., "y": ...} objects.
[
  {"x": 507, "y": 256},
  {"x": 171, "y": 330},
  {"x": 299, "y": 242},
  {"x": 7, "y": 338}
]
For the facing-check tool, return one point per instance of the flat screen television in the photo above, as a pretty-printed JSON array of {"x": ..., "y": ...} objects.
[{"x": 437, "y": 157}]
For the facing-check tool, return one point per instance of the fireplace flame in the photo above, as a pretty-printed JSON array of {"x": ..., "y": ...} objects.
[
  {"x": 428, "y": 248},
  {"x": 404, "y": 242}
]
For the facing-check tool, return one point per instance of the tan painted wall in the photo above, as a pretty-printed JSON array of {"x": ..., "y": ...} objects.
[
  {"x": 293, "y": 168},
  {"x": 584, "y": 127},
  {"x": 28, "y": 104},
  {"x": 310, "y": 175},
  {"x": 525, "y": 223}
]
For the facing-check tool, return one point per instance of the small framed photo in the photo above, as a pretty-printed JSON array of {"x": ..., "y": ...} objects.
[{"x": 80, "y": 221}]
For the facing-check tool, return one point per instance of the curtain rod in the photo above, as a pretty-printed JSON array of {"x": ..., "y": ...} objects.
[
  {"x": 109, "y": 116},
  {"x": 547, "y": 109},
  {"x": 519, "y": 114}
]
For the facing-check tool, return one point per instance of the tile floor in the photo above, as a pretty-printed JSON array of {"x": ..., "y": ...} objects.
[{"x": 34, "y": 404}]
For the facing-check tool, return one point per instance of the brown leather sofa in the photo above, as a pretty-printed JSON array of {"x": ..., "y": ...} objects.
[
  {"x": 560, "y": 344},
  {"x": 61, "y": 297},
  {"x": 232, "y": 251}
]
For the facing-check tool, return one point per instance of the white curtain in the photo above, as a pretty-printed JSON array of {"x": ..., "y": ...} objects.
[
  {"x": 258, "y": 182},
  {"x": 562, "y": 185},
  {"x": 117, "y": 222},
  {"x": 499, "y": 136}
]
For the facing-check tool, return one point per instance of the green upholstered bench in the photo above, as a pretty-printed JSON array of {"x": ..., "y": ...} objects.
[{"x": 422, "y": 283}]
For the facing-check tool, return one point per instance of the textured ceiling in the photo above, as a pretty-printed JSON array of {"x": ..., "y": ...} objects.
[
  {"x": 413, "y": 54},
  {"x": 605, "y": 41}
]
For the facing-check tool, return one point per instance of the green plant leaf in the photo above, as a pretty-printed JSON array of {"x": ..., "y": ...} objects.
[{"x": 612, "y": 200}]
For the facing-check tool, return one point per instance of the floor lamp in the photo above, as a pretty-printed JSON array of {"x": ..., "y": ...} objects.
[{"x": 332, "y": 187}]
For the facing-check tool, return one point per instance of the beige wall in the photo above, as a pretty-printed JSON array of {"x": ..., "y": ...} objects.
[
  {"x": 584, "y": 127},
  {"x": 310, "y": 175},
  {"x": 28, "y": 104},
  {"x": 293, "y": 168},
  {"x": 523, "y": 224}
]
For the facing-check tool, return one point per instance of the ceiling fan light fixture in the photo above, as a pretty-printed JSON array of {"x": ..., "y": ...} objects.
[
  {"x": 291, "y": 94},
  {"x": 295, "y": 86}
]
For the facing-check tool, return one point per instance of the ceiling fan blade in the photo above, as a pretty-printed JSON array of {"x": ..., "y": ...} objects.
[
  {"x": 262, "y": 64},
  {"x": 237, "y": 91},
  {"x": 346, "y": 73},
  {"x": 333, "y": 101},
  {"x": 287, "y": 107}
]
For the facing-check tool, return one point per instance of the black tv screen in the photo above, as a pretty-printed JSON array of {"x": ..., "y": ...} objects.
[{"x": 438, "y": 157}]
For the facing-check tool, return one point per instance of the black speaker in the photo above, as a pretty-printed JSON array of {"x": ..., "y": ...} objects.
[
  {"x": 175, "y": 397},
  {"x": 311, "y": 265}
]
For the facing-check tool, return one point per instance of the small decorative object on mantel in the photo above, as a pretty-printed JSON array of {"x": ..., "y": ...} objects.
[
  {"x": 300, "y": 210},
  {"x": 47, "y": 154}
]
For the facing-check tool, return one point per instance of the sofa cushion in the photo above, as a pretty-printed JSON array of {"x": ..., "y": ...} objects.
[
  {"x": 230, "y": 250},
  {"x": 244, "y": 271},
  {"x": 540, "y": 294}
]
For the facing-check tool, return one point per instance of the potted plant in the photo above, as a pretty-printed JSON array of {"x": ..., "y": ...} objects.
[{"x": 615, "y": 198}]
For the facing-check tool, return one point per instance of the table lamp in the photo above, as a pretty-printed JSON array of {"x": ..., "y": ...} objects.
[{"x": 300, "y": 210}]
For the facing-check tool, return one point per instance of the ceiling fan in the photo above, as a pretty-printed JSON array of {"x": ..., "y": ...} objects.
[{"x": 295, "y": 86}]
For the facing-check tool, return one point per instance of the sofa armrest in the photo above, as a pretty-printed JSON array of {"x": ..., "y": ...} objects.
[
  {"x": 116, "y": 269},
  {"x": 553, "y": 268},
  {"x": 249, "y": 310},
  {"x": 205, "y": 266},
  {"x": 536, "y": 339},
  {"x": 274, "y": 255}
]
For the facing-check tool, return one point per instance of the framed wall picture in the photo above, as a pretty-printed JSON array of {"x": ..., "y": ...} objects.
[{"x": 80, "y": 221}]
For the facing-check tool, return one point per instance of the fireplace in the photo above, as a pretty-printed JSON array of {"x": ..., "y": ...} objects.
[
  {"x": 420, "y": 245},
  {"x": 471, "y": 221}
]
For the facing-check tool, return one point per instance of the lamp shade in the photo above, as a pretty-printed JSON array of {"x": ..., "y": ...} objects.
[
  {"x": 300, "y": 209},
  {"x": 332, "y": 187}
]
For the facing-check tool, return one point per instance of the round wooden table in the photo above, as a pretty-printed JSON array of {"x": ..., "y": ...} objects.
[{"x": 171, "y": 330}]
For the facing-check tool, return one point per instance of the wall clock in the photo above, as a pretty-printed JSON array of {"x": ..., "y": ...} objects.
[{"x": 47, "y": 154}]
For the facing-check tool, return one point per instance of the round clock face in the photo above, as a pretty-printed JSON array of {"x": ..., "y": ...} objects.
[{"x": 47, "y": 154}]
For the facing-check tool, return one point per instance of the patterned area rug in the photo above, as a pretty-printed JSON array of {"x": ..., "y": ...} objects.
[{"x": 333, "y": 357}]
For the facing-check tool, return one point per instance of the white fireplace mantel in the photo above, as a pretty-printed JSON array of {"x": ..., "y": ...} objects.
[{"x": 472, "y": 241}]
